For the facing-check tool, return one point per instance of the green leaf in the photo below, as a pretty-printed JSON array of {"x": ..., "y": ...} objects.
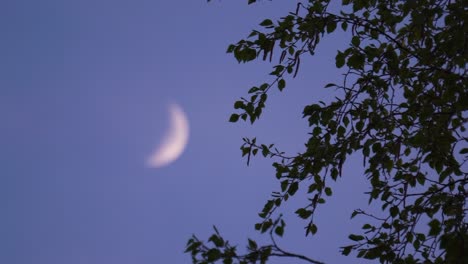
[
  {"x": 278, "y": 201},
  {"x": 266, "y": 226},
  {"x": 360, "y": 126},
  {"x": 394, "y": 211},
  {"x": 421, "y": 178},
  {"x": 354, "y": 214},
  {"x": 341, "y": 131},
  {"x": 318, "y": 180},
  {"x": 356, "y": 41},
  {"x": 253, "y": 89},
  {"x": 265, "y": 151},
  {"x": 356, "y": 61},
  {"x": 281, "y": 84},
  {"x": 313, "y": 229},
  {"x": 264, "y": 86},
  {"x": 328, "y": 191},
  {"x": 344, "y": 26},
  {"x": 266, "y": 23},
  {"x": 254, "y": 152},
  {"x": 355, "y": 237},
  {"x": 244, "y": 117},
  {"x": 312, "y": 188},
  {"x": 340, "y": 59},
  {"x": 331, "y": 26},
  {"x": 293, "y": 188},
  {"x": 435, "y": 227},
  {"x": 346, "y": 250},
  {"x": 252, "y": 244},
  {"x": 245, "y": 151},
  {"x": 264, "y": 255},
  {"x": 217, "y": 240},
  {"x": 284, "y": 185},
  {"x": 239, "y": 105},
  {"x": 334, "y": 173},
  {"x": 303, "y": 213},
  {"x": 213, "y": 254},
  {"x": 234, "y": 118},
  {"x": 231, "y": 48},
  {"x": 279, "y": 230}
]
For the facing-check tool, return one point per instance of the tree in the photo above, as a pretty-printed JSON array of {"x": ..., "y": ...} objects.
[{"x": 401, "y": 105}]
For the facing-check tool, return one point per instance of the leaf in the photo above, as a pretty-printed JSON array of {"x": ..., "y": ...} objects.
[
  {"x": 356, "y": 41},
  {"x": 293, "y": 188},
  {"x": 318, "y": 180},
  {"x": 253, "y": 89},
  {"x": 265, "y": 151},
  {"x": 279, "y": 230},
  {"x": 264, "y": 255},
  {"x": 331, "y": 26},
  {"x": 334, "y": 174},
  {"x": 252, "y": 244},
  {"x": 346, "y": 250},
  {"x": 360, "y": 126},
  {"x": 394, "y": 211},
  {"x": 313, "y": 229},
  {"x": 355, "y": 237},
  {"x": 435, "y": 227},
  {"x": 356, "y": 61},
  {"x": 341, "y": 131},
  {"x": 344, "y": 26},
  {"x": 281, "y": 84},
  {"x": 278, "y": 201},
  {"x": 303, "y": 213},
  {"x": 328, "y": 191},
  {"x": 340, "y": 59},
  {"x": 239, "y": 104},
  {"x": 213, "y": 254},
  {"x": 266, "y": 226},
  {"x": 266, "y": 23},
  {"x": 254, "y": 152},
  {"x": 252, "y": 1},
  {"x": 284, "y": 185},
  {"x": 245, "y": 150},
  {"x": 234, "y": 118},
  {"x": 421, "y": 178},
  {"x": 217, "y": 240}
]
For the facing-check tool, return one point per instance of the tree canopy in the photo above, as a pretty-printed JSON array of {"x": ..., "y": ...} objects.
[{"x": 401, "y": 106}]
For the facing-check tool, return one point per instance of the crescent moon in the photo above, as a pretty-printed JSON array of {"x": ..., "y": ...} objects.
[{"x": 175, "y": 140}]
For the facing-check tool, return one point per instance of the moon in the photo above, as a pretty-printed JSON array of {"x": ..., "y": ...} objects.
[{"x": 175, "y": 140}]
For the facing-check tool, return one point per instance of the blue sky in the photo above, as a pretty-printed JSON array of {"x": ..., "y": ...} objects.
[{"x": 84, "y": 93}]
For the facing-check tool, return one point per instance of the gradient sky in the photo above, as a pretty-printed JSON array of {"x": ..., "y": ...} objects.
[{"x": 84, "y": 93}]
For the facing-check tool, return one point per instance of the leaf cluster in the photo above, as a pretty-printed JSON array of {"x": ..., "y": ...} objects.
[{"x": 402, "y": 106}]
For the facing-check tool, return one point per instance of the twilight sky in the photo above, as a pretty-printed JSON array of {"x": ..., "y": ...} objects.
[{"x": 85, "y": 88}]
